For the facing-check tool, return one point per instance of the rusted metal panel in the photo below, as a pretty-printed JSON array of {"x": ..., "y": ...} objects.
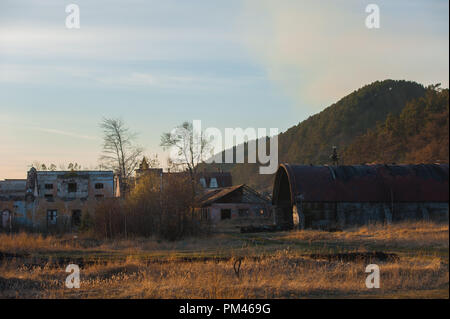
[{"x": 363, "y": 183}]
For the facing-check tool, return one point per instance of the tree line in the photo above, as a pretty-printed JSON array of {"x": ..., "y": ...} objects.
[{"x": 419, "y": 134}]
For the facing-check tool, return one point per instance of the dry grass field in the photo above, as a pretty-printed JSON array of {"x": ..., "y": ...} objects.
[{"x": 273, "y": 265}]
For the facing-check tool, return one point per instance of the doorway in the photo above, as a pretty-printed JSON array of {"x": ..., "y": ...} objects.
[{"x": 76, "y": 218}]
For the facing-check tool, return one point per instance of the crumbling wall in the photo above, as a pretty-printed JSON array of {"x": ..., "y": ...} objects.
[
  {"x": 65, "y": 210},
  {"x": 320, "y": 215},
  {"x": 70, "y": 185},
  {"x": 253, "y": 211},
  {"x": 62, "y": 196}
]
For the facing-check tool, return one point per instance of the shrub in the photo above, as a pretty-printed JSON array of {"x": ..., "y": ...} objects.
[{"x": 151, "y": 208}]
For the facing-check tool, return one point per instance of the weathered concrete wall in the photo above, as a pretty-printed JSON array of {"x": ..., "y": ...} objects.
[
  {"x": 325, "y": 215},
  {"x": 85, "y": 182},
  {"x": 340, "y": 215},
  {"x": 254, "y": 211},
  {"x": 34, "y": 215},
  {"x": 63, "y": 196},
  {"x": 12, "y": 188}
]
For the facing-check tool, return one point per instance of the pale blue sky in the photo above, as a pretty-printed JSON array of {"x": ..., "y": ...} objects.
[{"x": 228, "y": 63}]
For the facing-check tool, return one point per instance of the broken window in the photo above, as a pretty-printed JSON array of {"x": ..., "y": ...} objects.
[
  {"x": 49, "y": 197},
  {"x": 72, "y": 187},
  {"x": 52, "y": 215},
  {"x": 98, "y": 185},
  {"x": 225, "y": 214},
  {"x": 213, "y": 183},
  {"x": 203, "y": 182},
  {"x": 48, "y": 186}
]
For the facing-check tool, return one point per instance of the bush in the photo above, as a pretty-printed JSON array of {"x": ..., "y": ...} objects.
[{"x": 151, "y": 209}]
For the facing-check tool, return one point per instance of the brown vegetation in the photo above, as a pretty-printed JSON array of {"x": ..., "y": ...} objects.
[
  {"x": 150, "y": 209},
  {"x": 274, "y": 265}
]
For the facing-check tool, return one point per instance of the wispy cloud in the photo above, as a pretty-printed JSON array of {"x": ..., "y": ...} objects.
[
  {"x": 93, "y": 76},
  {"x": 65, "y": 133},
  {"x": 182, "y": 81},
  {"x": 115, "y": 43}
]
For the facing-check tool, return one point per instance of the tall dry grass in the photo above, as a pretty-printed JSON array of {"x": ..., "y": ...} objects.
[
  {"x": 280, "y": 276},
  {"x": 284, "y": 270},
  {"x": 36, "y": 243},
  {"x": 26, "y": 242},
  {"x": 408, "y": 234}
]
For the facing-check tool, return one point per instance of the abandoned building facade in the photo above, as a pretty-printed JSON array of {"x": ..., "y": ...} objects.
[
  {"x": 48, "y": 200},
  {"x": 335, "y": 197},
  {"x": 234, "y": 202},
  {"x": 56, "y": 200},
  {"x": 325, "y": 197}
]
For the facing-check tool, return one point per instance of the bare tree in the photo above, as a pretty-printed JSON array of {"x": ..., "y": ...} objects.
[
  {"x": 152, "y": 161},
  {"x": 42, "y": 167},
  {"x": 119, "y": 151},
  {"x": 190, "y": 147}
]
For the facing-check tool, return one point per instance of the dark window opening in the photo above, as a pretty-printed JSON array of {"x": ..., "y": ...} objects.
[
  {"x": 99, "y": 196},
  {"x": 5, "y": 219},
  {"x": 225, "y": 214},
  {"x": 76, "y": 217},
  {"x": 48, "y": 197},
  {"x": 48, "y": 186},
  {"x": 52, "y": 216},
  {"x": 72, "y": 187},
  {"x": 98, "y": 185}
]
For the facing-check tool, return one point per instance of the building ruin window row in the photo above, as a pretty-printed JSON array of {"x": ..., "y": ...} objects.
[{"x": 71, "y": 188}]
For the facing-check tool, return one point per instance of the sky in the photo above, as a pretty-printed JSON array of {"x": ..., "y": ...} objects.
[{"x": 235, "y": 63}]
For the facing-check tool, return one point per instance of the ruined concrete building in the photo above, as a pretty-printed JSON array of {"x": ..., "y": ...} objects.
[
  {"x": 334, "y": 197},
  {"x": 48, "y": 200}
]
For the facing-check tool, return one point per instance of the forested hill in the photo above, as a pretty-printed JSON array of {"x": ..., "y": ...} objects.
[
  {"x": 419, "y": 134},
  {"x": 342, "y": 124}
]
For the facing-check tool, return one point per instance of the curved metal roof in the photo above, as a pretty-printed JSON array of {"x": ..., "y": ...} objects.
[{"x": 363, "y": 183}]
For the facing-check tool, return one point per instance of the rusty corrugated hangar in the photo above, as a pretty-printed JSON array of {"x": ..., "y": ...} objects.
[{"x": 341, "y": 196}]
